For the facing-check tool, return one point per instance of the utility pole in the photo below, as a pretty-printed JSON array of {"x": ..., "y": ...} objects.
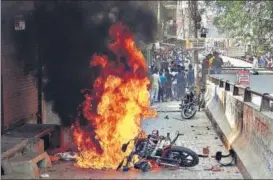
[
  {"x": 183, "y": 22},
  {"x": 195, "y": 14},
  {"x": 190, "y": 19}
]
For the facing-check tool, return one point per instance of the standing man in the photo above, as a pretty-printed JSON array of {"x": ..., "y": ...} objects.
[
  {"x": 169, "y": 85},
  {"x": 190, "y": 76},
  {"x": 205, "y": 68},
  {"x": 162, "y": 87},
  {"x": 255, "y": 63},
  {"x": 155, "y": 82},
  {"x": 181, "y": 83},
  {"x": 217, "y": 63},
  {"x": 174, "y": 83}
]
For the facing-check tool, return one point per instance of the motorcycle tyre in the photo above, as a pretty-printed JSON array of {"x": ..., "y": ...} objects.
[
  {"x": 186, "y": 150},
  {"x": 183, "y": 114}
]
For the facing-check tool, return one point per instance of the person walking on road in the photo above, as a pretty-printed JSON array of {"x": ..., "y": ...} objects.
[{"x": 155, "y": 82}]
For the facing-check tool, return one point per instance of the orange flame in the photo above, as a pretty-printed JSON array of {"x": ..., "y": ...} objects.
[{"x": 123, "y": 101}]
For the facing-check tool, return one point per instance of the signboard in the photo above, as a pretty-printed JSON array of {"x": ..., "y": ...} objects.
[
  {"x": 19, "y": 25},
  {"x": 243, "y": 77}
]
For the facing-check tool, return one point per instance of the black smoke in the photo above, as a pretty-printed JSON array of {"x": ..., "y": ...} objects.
[{"x": 67, "y": 34}]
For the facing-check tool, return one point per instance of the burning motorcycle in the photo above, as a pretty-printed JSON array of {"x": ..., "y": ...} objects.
[
  {"x": 159, "y": 149},
  {"x": 189, "y": 105}
]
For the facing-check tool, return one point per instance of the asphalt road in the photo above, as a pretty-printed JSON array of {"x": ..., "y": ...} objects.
[{"x": 198, "y": 134}]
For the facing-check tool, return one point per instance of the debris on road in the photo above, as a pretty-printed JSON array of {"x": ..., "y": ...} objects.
[
  {"x": 166, "y": 117},
  {"x": 54, "y": 158},
  {"x": 67, "y": 156},
  {"x": 215, "y": 168},
  {"x": 203, "y": 155},
  {"x": 206, "y": 150},
  {"x": 44, "y": 175}
]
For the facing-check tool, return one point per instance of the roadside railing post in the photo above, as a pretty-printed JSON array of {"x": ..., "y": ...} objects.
[
  {"x": 235, "y": 91},
  {"x": 265, "y": 104},
  {"x": 221, "y": 84},
  {"x": 227, "y": 86},
  {"x": 247, "y": 95}
]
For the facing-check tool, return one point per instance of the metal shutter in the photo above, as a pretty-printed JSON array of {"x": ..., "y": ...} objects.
[{"x": 19, "y": 93}]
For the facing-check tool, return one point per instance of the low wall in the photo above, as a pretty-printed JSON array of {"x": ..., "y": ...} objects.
[{"x": 243, "y": 126}]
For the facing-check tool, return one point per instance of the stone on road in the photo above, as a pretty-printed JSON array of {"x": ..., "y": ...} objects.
[{"x": 198, "y": 134}]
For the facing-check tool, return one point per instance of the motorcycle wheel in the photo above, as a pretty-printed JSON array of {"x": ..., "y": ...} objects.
[
  {"x": 185, "y": 156},
  {"x": 185, "y": 111}
]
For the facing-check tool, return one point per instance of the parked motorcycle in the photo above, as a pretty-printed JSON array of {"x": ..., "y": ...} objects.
[
  {"x": 189, "y": 105},
  {"x": 161, "y": 150}
]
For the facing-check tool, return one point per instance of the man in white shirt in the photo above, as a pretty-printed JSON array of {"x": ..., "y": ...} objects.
[
  {"x": 174, "y": 84},
  {"x": 255, "y": 63},
  {"x": 155, "y": 82}
]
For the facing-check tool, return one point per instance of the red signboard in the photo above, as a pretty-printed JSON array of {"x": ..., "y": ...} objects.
[{"x": 243, "y": 77}]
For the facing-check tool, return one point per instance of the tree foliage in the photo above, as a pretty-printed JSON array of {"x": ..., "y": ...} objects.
[{"x": 249, "y": 21}]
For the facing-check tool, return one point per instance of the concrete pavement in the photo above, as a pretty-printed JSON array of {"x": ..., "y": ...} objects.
[{"x": 198, "y": 134}]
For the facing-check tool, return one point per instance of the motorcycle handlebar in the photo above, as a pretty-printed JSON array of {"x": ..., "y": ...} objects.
[{"x": 174, "y": 140}]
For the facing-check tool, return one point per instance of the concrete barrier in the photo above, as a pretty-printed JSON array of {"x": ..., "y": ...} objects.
[{"x": 243, "y": 126}]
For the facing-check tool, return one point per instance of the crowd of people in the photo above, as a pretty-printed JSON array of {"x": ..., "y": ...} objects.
[
  {"x": 212, "y": 64},
  {"x": 170, "y": 79},
  {"x": 170, "y": 83},
  {"x": 264, "y": 61}
]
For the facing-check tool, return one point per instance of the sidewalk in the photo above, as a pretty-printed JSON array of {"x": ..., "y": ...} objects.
[{"x": 198, "y": 134}]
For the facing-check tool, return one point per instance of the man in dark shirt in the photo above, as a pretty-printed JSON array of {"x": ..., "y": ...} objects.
[
  {"x": 169, "y": 85},
  {"x": 205, "y": 67},
  {"x": 217, "y": 63}
]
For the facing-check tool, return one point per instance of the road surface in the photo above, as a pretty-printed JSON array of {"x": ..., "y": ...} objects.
[
  {"x": 198, "y": 134},
  {"x": 236, "y": 62}
]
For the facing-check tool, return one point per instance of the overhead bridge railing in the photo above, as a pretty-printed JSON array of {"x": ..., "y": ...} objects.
[
  {"x": 233, "y": 70},
  {"x": 246, "y": 92},
  {"x": 248, "y": 68}
]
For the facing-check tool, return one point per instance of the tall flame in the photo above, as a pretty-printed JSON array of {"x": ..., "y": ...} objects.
[{"x": 121, "y": 93}]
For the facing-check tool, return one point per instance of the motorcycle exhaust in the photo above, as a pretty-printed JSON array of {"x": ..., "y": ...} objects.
[
  {"x": 167, "y": 160},
  {"x": 167, "y": 164}
]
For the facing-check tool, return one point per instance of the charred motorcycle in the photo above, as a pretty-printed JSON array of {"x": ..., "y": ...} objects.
[{"x": 161, "y": 150}]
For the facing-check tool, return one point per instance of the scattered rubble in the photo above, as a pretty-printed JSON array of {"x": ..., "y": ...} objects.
[
  {"x": 206, "y": 150},
  {"x": 54, "y": 158},
  {"x": 67, "y": 156},
  {"x": 214, "y": 168},
  {"x": 44, "y": 175}
]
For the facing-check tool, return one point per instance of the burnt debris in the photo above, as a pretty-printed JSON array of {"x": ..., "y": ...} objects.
[{"x": 66, "y": 35}]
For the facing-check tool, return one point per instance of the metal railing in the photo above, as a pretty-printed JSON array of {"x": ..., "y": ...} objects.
[
  {"x": 233, "y": 70},
  {"x": 245, "y": 92}
]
